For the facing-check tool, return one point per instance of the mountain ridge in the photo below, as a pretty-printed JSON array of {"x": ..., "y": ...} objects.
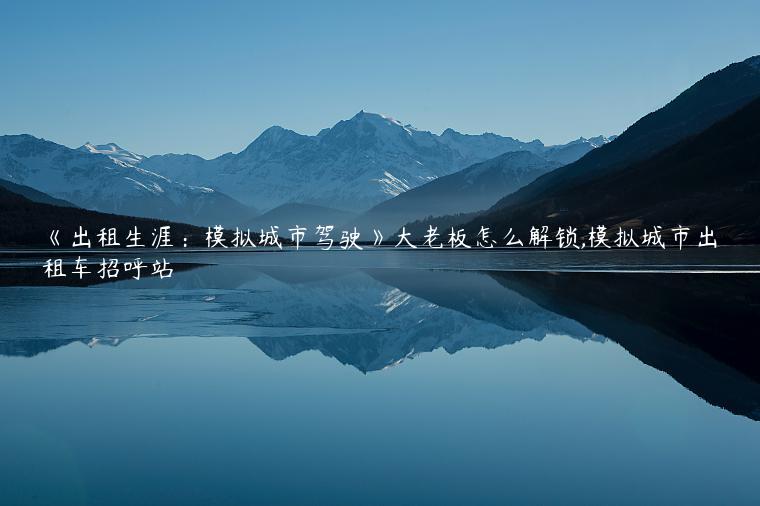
[
  {"x": 710, "y": 99},
  {"x": 101, "y": 182},
  {"x": 374, "y": 157}
]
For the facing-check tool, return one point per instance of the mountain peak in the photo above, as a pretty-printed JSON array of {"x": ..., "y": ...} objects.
[
  {"x": 112, "y": 150},
  {"x": 754, "y": 62},
  {"x": 595, "y": 141},
  {"x": 376, "y": 118},
  {"x": 273, "y": 130},
  {"x": 273, "y": 136},
  {"x": 365, "y": 115},
  {"x": 600, "y": 140},
  {"x": 93, "y": 148}
]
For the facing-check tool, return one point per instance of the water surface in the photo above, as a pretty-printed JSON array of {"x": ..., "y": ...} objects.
[{"x": 383, "y": 379}]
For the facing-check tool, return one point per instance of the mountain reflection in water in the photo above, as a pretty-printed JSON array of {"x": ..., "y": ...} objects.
[{"x": 698, "y": 328}]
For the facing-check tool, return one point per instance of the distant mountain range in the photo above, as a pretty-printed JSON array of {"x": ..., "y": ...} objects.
[
  {"x": 105, "y": 183},
  {"x": 344, "y": 169},
  {"x": 352, "y": 166}
]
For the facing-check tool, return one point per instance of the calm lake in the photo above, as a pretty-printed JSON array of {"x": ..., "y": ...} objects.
[{"x": 384, "y": 378}]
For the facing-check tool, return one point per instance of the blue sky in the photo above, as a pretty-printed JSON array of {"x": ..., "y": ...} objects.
[{"x": 208, "y": 79}]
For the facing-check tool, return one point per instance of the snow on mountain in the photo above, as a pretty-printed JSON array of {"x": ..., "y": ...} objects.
[
  {"x": 472, "y": 189},
  {"x": 600, "y": 140},
  {"x": 353, "y": 165},
  {"x": 113, "y": 151},
  {"x": 393, "y": 186},
  {"x": 476, "y": 148},
  {"x": 99, "y": 178},
  {"x": 574, "y": 150}
]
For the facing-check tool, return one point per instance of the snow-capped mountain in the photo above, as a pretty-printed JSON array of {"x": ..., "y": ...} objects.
[
  {"x": 353, "y": 165},
  {"x": 476, "y": 148},
  {"x": 113, "y": 151},
  {"x": 574, "y": 150},
  {"x": 102, "y": 182},
  {"x": 356, "y": 163}
]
